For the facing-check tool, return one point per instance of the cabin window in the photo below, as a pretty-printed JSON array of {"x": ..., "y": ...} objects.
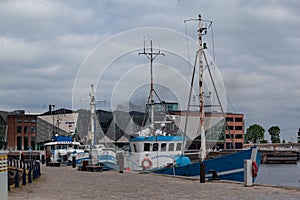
[
  {"x": 147, "y": 147},
  {"x": 155, "y": 147},
  {"x": 134, "y": 148},
  {"x": 178, "y": 146},
  {"x": 163, "y": 146},
  {"x": 171, "y": 147}
]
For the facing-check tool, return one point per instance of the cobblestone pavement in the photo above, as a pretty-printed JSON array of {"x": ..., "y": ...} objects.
[{"x": 68, "y": 183}]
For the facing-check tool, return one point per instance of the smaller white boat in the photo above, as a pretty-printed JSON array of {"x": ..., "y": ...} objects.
[{"x": 62, "y": 149}]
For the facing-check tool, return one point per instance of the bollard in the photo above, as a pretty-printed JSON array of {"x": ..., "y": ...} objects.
[
  {"x": 43, "y": 159},
  {"x": 47, "y": 161},
  {"x": 4, "y": 178},
  {"x": 39, "y": 169},
  {"x": 73, "y": 161},
  {"x": 33, "y": 171},
  {"x": 17, "y": 178},
  {"x": 202, "y": 173},
  {"x": 248, "y": 173},
  {"x": 121, "y": 162},
  {"x": 29, "y": 176},
  {"x": 24, "y": 175}
]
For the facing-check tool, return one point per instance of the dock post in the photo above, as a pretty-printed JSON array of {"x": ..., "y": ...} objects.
[
  {"x": 29, "y": 174},
  {"x": 74, "y": 161},
  {"x": 248, "y": 173},
  {"x": 17, "y": 178},
  {"x": 43, "y": 159},
  {"x": 121, "y": 162},
  {"x": 24, "y": 174},
  {"x": 3, "y": 178},
  {"x": 202, "y": 173}
]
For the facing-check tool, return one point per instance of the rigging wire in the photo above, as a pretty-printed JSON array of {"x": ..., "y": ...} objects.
[
  {"x": 187, "y": 42},
  {"x": 213, "y": 42},
  {"x": 230, "y": 103}
]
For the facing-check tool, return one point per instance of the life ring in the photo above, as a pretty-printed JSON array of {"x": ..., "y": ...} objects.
[
  {"x": 146, "y": 163},
  {"x": 254, "y": 169}
]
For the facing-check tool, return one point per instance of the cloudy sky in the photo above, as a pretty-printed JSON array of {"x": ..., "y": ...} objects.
[{"x": 44, "y": 44}]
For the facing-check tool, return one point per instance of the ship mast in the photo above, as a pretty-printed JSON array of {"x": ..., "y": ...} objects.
[
  {"x": 92, "y": 108},
  {"x": 201, "y": 31},
  {"x": 93, "y": 114},
  {"x": 151, "y": 56}
]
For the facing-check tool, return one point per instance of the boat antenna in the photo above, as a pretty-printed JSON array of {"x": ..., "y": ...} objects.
[{"x": 151, "y": 56}]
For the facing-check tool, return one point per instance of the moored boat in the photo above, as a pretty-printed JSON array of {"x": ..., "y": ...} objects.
[{"x": 163, "y": 153}]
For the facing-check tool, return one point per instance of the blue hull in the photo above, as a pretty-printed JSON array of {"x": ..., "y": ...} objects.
[{"x": 229, "y": 167}]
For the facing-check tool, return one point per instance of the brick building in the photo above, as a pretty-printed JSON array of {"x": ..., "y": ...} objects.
[
  {"x": 216, "y": 136},
  {"x": 21, "y": 130},
  {"x": 234, "y": 137}
]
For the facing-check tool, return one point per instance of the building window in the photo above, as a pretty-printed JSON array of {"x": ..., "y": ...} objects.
[
  {"x": 239, "y": 119},
  {"x": 229, "y": 145},
  {"x": 238, "y": 128},
  {"x": 26, "y": 141},
  {"x": 171, "y": 147},
  {"x": 229, "y": 119},
  {"x": 229, "y": 136},
  {"x": 19, "y": 129},
  {"x": 33, "y": 121},
  {"x": 32, "y": 129},
  {"x": 32, "y": 143},
  {"x": 26, "y": 120},
  {"x": 19, "y": 143},
  {"x": 238, "y": 145},
  {"x": 239, "y": 136},
  {"x": 25, "y": 129},
  {"x": 229, "y": 127},
  {"x": 19, "y": 121}
]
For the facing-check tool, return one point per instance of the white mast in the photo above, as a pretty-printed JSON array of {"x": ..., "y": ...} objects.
[
  {"x": 92, "y": 108},
  {"x": 201, "y": 94}
]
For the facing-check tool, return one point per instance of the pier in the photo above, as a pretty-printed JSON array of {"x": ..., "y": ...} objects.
[{"x": 69, "y": 183}]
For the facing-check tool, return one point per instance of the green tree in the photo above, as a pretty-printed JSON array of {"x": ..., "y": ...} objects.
[
  {"x": 298, "y": 135},
  {"x": 274, "y": 132},
  {"x": 254, "y": 133},
  {"x": 283, "y": 141}
]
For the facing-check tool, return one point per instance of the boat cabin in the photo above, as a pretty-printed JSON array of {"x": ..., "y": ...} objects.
[{"x": 150, "y": 152}]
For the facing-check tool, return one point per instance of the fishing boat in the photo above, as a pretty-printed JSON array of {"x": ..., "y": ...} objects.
[
  {"x": 162, "y": 153},
  {"x": 62, "y": 149}
]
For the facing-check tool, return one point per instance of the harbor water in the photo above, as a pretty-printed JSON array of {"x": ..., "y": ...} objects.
[{"x": 287, "y": 175}]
